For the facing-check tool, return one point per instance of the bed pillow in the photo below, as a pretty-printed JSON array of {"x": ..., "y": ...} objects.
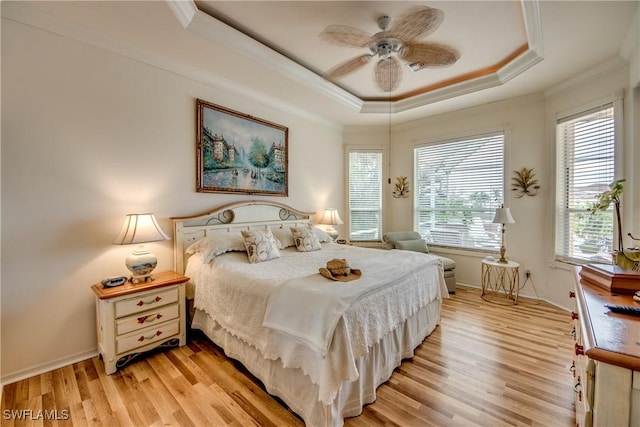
[
  {"x": 322, "y": 235},
  {"x": 284, "y": 237},
  {"x": 305, "y": 238},
  {"x": 261, "y": 245},
  {"x": 217, "y": 244},
  {"x": 417, "y": 245}
]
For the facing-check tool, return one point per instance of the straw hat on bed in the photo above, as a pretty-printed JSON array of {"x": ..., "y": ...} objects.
[{"x": 338, "y": 269}]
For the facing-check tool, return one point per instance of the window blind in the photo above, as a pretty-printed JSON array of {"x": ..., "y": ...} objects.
[
  {"x": 586, "y": 167},
  {"x": 365, "y": 195},
  {"x": 459, "y": 185}
]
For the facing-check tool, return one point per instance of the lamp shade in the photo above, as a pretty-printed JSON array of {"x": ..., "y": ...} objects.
[
  {"x": 140, "y": 228},
  {"x": 503, "y": 216},
  {"x": 331, "y": 217}
]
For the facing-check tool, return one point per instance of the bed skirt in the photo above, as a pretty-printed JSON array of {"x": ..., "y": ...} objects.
[{"x": 301, "y": 395}]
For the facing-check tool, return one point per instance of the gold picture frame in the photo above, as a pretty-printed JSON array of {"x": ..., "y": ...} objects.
[{"x": 239, "y": 153}]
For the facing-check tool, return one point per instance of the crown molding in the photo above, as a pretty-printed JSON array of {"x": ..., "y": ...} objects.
[
  {"x": 184, "y": 11},
  {"x": 20, "y": 12},
  {"x": 599, "y": 70},
  {"x": 631, "y": 43},
  {"x": 212, "y": 29}
]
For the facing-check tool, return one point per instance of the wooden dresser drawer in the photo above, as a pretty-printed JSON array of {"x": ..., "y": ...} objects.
[
  {"x": 150, "y": 335},
  {"x": 144, "y": 302},
  {"x": 147, "y": 318}
]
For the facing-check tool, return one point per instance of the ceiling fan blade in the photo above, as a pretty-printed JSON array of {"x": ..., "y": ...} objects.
[
  {"x": 347, "y": 67},
  {"x": 415, "y": 22},
  {"x": 422, "y": 55},
  {"x": 388, "y": 74},
  {"x": 346, "y": 36}
]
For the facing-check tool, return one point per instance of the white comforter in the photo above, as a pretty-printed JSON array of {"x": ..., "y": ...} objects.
[{"x": 240, "y": 296}]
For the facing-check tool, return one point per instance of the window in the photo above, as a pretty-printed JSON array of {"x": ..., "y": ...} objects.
[
  {"x": 365, "y": 195},
  {"x": 459, "y": 185},
  {"x": 585, "y": 167}
]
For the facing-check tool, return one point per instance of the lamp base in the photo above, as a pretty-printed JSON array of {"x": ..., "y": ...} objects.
[
  {"x": 141, "y": 264},
  {"x": 502, "y": 259}
]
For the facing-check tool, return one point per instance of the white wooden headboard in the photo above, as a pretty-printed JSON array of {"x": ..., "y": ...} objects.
[{"x": 245, "y": 215}]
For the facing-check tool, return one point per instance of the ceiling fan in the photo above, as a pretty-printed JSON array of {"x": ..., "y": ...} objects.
[{"x": 400, "y": 39}]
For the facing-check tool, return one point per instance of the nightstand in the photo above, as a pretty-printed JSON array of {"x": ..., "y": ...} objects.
[{"x": 135, "y": 318}]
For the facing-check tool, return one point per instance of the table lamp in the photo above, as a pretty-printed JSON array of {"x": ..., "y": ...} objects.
[
  {"x": 503, "y": 216},
  {"x": 331, "y": 218},
  {"x": 139, "y": 229}
]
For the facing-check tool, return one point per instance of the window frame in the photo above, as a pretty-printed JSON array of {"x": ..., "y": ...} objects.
[
  {"x": 380, "y": 227},
  {"x": 505, "y": 132},
  {"x": 616, "y": 102}
]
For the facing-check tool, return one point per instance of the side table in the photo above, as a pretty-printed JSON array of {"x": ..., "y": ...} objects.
[{"x": 498, "y": 277}]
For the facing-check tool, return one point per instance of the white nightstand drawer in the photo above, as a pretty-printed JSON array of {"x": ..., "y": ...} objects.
[
  {"x": 147, "y": 336},
  {"x": 146, "y": 319},
  {"x": 145, "y": 302}
]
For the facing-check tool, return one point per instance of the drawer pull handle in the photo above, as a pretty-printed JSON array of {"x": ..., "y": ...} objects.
[
  {"x": 577, "y": 388},
  {"x": 574, "y": 315},
  {"x": 573, "y": 332},
  {"x": 153, "y": 301},
  {"x": 572, "y": 368},
  {"x": 572, "y": 294},
  {"x": 142, "y": 337},
  {"x": 149, "y": 318},
  {"x": 579, "y": 349}
]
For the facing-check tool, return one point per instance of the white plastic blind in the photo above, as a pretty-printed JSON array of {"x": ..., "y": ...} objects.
[
  {"x": 586, "y": 167},
  {"x": 459, "y": 185},
  {"x": 365, "y": 195}
]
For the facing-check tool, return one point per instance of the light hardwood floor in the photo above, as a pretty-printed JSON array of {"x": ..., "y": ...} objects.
[{"x": 485, "y": 365}]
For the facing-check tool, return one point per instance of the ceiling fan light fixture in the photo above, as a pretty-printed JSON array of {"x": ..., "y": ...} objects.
[{"x": 400, "y": 39}]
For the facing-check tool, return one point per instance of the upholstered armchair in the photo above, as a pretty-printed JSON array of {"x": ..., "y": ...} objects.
[{"x": 412, "y": 241}]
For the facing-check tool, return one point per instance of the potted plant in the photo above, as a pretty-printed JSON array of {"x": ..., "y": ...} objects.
[{"x": 630, "y": 260}]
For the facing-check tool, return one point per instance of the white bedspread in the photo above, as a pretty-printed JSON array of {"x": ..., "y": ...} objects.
[
  {"x": 236, "y": 294},
  {"x": 308, "y": 308}
]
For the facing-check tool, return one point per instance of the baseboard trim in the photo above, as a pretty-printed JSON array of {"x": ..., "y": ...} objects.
[{"x": 46, "y": 367}]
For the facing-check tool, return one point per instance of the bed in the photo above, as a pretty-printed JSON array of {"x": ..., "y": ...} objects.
[{"x": 322, "y": 346}]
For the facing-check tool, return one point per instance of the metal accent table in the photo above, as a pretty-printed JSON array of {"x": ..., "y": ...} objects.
[{"x": 500, "y": 278}]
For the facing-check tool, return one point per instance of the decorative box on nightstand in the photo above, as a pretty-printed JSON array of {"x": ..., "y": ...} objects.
[{"x": 135, "y": 318}]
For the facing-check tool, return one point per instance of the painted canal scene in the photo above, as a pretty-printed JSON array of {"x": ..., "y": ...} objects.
[{"x": 239, "y": 153}]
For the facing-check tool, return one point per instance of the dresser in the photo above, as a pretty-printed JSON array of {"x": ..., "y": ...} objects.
[
  {"x": 606, "y": 366},
  {"x": 135, "y": 318}
]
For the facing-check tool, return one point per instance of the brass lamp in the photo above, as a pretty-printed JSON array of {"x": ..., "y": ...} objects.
[
  {"x": 139, "y": 229},
  {"x": 331, "y": 218},
  {"x": 503, "y": 216}
]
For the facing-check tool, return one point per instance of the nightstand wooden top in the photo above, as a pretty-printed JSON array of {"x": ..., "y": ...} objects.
[{"x": 165, "y": 278}]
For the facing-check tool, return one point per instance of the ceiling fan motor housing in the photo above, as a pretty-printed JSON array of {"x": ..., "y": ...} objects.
[{"x": 385, "y": 46}]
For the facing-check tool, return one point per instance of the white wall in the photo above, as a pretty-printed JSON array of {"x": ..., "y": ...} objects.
[
  {"x": 529, "y": 122},
  {"x": 87, "y": 137}
]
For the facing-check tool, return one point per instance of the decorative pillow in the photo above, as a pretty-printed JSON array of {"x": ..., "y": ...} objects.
[
  {"x": 322, "y": 235},
  {"x": 261, "y": 245},
  {"x": 217, "y": 244},
  {"x": 305, "y": 239},
  {"x": 284, "y": 237},
  {"x": 417, "y": 245}
]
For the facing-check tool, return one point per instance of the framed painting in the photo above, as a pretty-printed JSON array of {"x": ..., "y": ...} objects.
[{"x": 238, "y": 153}]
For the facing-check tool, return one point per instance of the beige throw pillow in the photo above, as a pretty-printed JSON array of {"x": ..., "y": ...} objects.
[{"x": 261, "y": 245}]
